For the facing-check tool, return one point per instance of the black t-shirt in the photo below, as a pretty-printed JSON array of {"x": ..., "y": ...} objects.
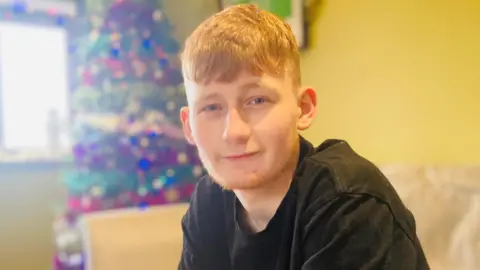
[{"x": 339, "y": 213}]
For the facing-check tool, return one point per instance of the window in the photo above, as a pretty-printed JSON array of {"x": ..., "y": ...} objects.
[{"x": 34, "y": 107}]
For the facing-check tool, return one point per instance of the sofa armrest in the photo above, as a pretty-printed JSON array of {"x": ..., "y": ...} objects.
[{"x": 131, "y": 239}]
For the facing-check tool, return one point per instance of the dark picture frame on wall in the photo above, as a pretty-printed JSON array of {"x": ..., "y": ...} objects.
[{"x": 296, "y": 18}]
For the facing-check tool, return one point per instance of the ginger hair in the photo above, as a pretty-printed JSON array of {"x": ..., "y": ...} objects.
[{"x": 241, "y": 38}]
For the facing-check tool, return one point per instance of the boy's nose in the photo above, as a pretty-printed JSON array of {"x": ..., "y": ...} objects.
[{"x": 237, "y": 129}]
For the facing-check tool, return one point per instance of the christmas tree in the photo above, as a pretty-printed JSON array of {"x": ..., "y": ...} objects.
[{"x": 130, "y": 149}]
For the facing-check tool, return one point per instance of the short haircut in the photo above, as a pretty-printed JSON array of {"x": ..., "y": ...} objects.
[{"x": 241, "y": 38}]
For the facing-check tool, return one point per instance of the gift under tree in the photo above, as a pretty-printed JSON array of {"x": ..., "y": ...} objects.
[{"x": 130, "y": 149}]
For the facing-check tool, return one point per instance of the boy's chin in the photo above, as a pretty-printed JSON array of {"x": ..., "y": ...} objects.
[{"x": 246, "y": 183}]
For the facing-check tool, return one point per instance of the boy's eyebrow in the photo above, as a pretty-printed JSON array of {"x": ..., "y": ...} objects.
[
  {"x": 256, "y": 84},
  {"x": 209, "y": 96},
  {"x": 250, "y": 85}
]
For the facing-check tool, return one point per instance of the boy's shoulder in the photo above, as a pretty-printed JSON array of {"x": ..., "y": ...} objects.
[
  {"x": 334, "y": 161},
  {"x": 334, "y": 170}
]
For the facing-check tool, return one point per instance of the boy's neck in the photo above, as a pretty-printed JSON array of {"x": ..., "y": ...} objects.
[{"x": 260, "y": 205}]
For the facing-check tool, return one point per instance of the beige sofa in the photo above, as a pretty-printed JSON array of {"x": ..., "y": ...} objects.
[
  {"x": 446, "y": 205},
  {"x": 445, "y": 201}
]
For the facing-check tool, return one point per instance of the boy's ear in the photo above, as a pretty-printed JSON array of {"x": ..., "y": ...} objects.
[
  {"x": 187, "y": 130},
  {"x": 307, "y": 106}
]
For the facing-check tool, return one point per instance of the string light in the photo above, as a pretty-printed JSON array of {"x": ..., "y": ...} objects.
[
  {"x": 19, "y": 7},
  {"x": 144, "y": 164},
  {"x": 147, "y": 44},
  {"x": 60, "y": 21},
  {"x": 114, "y": 52},
  {"x": 163, "y": 63},
  {"x": 171, "y": 195},
  {"x": 143, "y": 205},
  {"x": 157, "y": 15},
  {"x": 51, "y": 11},
  {"x": 142, "y": 191}
]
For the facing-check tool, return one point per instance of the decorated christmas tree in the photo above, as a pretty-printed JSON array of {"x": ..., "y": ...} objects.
[{"x": 130, "y": 149}]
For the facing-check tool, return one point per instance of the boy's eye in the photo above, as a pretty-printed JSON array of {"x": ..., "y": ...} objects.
[
  {"x": 212, "y": 107},
  {"x": 256, "y": 101}
]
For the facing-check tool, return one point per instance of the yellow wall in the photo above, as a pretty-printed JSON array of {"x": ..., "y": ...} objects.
[
  {"x": 28, "y": 197},
  {"x": 399, "y": 79}
]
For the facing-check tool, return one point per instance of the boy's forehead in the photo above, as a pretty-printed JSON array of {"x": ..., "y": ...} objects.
[{"x": 244, "y": 81}]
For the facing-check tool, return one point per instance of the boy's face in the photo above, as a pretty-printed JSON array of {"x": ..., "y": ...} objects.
[{"x": 246, "y": 130}]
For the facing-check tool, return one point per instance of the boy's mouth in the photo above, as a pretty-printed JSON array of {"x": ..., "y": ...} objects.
[{"x": 241, "y": 156}]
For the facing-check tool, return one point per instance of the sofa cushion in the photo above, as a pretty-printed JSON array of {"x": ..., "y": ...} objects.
[{"x": 446, "y": 204}]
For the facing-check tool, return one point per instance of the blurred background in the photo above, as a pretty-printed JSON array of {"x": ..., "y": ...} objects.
[{"x": 94, "y": 169}]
